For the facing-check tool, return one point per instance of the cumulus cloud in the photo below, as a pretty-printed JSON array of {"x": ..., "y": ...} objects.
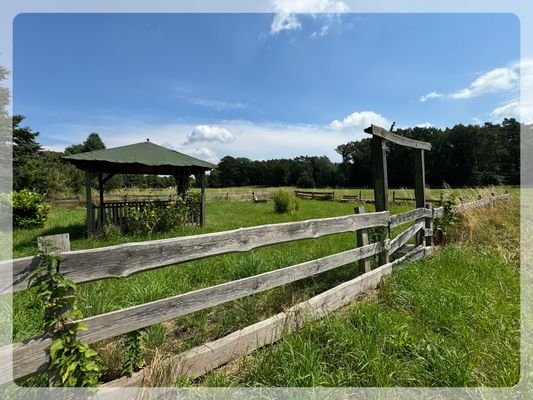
[
  {"x": 360, "y": 120},
  {"x": 207, "y": 133},
  {"x": 286, "y": 10},
  {"x": 520, "y": 108},
  {"x": 204, "y": 153},
  {"x": 494, "y": 81},
  {"x": 430, "y": 96}
]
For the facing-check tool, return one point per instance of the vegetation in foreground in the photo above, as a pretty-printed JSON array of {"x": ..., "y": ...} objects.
[
  {"x": 186, "y": 332},
  {"x": 450, "y": 320}
]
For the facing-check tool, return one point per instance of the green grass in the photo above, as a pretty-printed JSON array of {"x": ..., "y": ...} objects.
[
  {"x": 113, "y": 294},
  {"x": 451, "y": 320},
  {"x": 188, "y": 331}
]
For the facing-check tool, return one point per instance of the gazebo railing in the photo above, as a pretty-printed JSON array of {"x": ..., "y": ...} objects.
[{"x": 116, "y": 213}]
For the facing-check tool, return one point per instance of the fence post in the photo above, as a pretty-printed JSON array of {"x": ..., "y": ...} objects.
[
  {"x": 58, "y": 244},
  {"x": 394, "y": 197},
  {"x": 362, "y": 240},
  {"x": 360, "y": 195},
  {"x": 428, "y": 225}
]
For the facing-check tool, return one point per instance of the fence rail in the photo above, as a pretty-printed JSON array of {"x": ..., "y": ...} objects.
[{"x": 31, "y": 356}]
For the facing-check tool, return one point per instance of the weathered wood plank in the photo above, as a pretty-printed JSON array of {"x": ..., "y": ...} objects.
[
  {"x": 126, "y": 259},
  {"x": 56, "y": 244},
  {"x": 202, "y": 359},
  {"x": 31, "y": 356},
  {"x": 404, "y": 237},
  {"x": 401, "y": 140},
  {"x": 362, "y": 240},
  {"x": 411, "y": 215}
]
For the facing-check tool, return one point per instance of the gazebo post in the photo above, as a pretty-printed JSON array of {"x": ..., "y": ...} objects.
[
  {"x": 101, "y": 190},
  {"x": 89, "y": 202},
  {"x": 202, "y": 196}
]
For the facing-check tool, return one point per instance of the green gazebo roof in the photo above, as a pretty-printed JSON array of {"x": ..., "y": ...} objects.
[{"x": 142, "y": 158}]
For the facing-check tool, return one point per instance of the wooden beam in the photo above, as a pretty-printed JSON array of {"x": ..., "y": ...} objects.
[
  {"x": 420, "y": 187},
  {"x": 31, "y": 356},
  {"x": 379, "y": 169},
  {"x": 128, "y": 258},
  {"x": 411, "y": 215},
  {"x": 202, "y": 196},
  {"x": 101, "y": 192},
  {"x": 89, "y": 203},
  {"x": 394, "y": 138},
  {"x": 362, "y": 240},
  {"x": 108, "y": 177},
  {"x": 201, "y": 359}
]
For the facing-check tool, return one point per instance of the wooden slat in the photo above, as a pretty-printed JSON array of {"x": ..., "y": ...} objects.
[
  {"x": 404, "y": 237},
  {"x": 411, "y": 215},
  {"x": 401, "y": 140},
  {"x": 126, "y": 259},
  {"x": 202, "y": 359},
  {"x": 32, "y": 357}
]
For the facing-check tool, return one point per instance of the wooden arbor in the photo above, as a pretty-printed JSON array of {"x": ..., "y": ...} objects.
[
  {"x": 140, "y": 158},
  {"x": 380, "y": 137}
]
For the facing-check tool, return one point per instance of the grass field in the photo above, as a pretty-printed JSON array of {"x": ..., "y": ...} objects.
[{"x": 183, "y": 333}]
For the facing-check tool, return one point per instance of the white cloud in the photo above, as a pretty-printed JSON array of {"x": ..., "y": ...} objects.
[
  {"x": 360, "y": 121},
  {"x": 430, "y": 96},
  {"x": 286, "y": 10},
  {"x": 424, "y": 125},
  {"x": 204, "y": 153},
  {"x": 496, "y": 80},
  {"x": 510, "y": 110},
  {"x": 207, "y": 133},
  {"x": 284, "y": 22},
  {"x": 520, "y": 108}
]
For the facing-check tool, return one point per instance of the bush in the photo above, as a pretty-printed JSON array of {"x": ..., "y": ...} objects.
[
  {"x": 29, "y": 209},
  {"x": 152, "y": 218},
  {"x": 285, "y": 202}
]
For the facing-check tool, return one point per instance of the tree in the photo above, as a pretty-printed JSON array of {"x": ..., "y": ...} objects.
[{"x": 92, "y": 143}]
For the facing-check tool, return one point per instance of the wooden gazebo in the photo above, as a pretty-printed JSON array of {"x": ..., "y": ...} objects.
[{"x": 144, "y": 158}]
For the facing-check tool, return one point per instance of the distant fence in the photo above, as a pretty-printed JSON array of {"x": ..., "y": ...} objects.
[
  {"x": 31, "y": 356},
  {"x": 314, "y": 195}
]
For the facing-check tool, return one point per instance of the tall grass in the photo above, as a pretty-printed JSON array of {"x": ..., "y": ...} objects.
[{"x": 450, "y": 320}]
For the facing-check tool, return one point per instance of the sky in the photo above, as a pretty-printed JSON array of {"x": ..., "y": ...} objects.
[{"x": 261, "y": 86}]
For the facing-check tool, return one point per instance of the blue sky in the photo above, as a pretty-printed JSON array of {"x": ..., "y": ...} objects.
[{"x": 259, "y": 85}]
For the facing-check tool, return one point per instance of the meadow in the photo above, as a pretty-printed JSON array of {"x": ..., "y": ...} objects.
[{"x": 186, "y": 332}]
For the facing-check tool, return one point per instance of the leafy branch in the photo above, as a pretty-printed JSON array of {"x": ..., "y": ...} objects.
[{"x": 72, "y": 363}]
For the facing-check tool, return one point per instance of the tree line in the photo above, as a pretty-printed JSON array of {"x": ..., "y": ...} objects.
[{"x": 464, "y": 155}]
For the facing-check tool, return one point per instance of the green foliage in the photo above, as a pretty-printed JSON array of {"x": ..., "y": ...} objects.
[
  {"x": 285, "y": 202},
  {"x": 72, "y": 363},
  {"x": 153, "y": 217},
  {"x": 29, "y": 209},
  {"x": 448, "y": 220},
  {"x": 133, "y": 352}
]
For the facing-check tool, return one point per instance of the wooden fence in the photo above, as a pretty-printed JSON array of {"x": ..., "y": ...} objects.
[
  {"x": 314, "y": 195},
  {"x": 31, "y": 356}
]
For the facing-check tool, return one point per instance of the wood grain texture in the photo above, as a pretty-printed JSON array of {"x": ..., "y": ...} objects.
[
  {"x": 202, "y": 359},
  {"x": 362, "y": 240},
  {"x": 126, "y": 259},
  {"x": 30, "y": 357},
  {"x": 57, "y": 244},
  {"x": 408, "y": 216},
  {"x": 401, "y": 140},
  {"x": 404, "y": 237}
]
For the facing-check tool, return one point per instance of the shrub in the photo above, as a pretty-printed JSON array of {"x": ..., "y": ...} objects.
[
  {"x": 29, "y": 209},
  {"x": 285, "y": 202},
  {"x": 153, "y": 218}
]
